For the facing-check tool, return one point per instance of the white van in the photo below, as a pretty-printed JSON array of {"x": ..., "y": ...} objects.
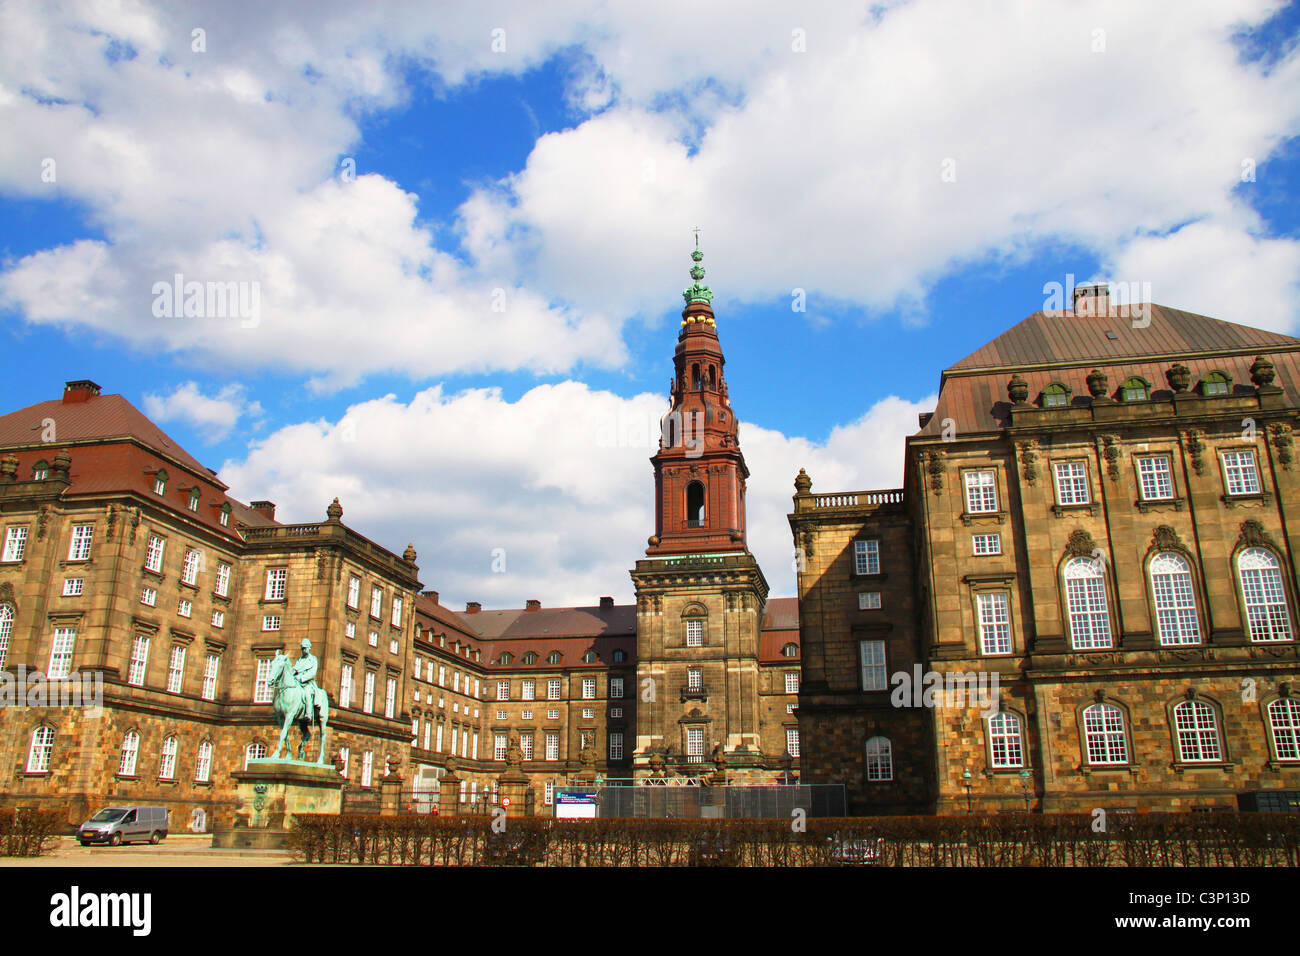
[{"x": 118, "y": 825}]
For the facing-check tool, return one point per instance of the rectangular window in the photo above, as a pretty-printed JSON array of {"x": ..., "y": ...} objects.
[
  {"x": 210, "y": 676},
  {"x": 1071, "y": 482},
  {"x": 616, "y": 712},
  {"x": 616, "y": 688},
  {"x": 995, "y": 622},
  {"x": 148, "y": 596},
  {"x": 503, "y": 690},
  {"x": 1154, "y": 479},
  {"x": 589, "y": 688},
  {"x": 873, "y": 665},
  {"x": 79, "y": 548},
  {"x": 442, "y": 677},
  {"x": 866, "y": 557},
  {"x": 588, "y": 713},
  {"x": 153, "y": 556},
  {"x": 345, "y": 686},
  {"x": 553, "y": 689},
  {"x": 499, "y": 747},
  {"x": 694, "y": 678},
  {"x": 390, "y": 697},
  {"x": 345, "y": 754},
  {"x": 529, "y": 690},
  {"x": 368, "y": 700},
  {"x": 176, "y": 669},
  {"x": 72, "y": 587},
  {"x": 501, "y": 713},
  {"x": 223, "y": 580},
  {"x": 350, "y": 629},
  {"x": 792, "y": 682},
  {"x": 526, "y": 745},
  {"x": 275, "y": 583},
  {"x": 218, "y": 618},
  {"x": 437, "y": 737},
  {"x": 695, "y": 745},
  {"x": 552, "y": 745},
  {"x": 987, "y": 543},
  {"x": 455, "y": 681},
  {"x": 869, "y": 601},
  {"x": 367, "y": 767},
  {"x": 270, "y": 622},
  {"x": 373, "y": 638},
  {"x": 190, "y": 568},
  {"x": 15, "y": 544},
  {"x": 694, "y": 633},
  {"x": 354, "y": 591},
  {"x": 261, "y": 687},
  {"x": 792, "y": 741},
  {"x": 376, "y": 603},
  {"x": 61, "y": 653},
  {"x": 393, "y": 646},
  {"x": 184, "y": 608},
  {"x": 526, "y": 715},
  {"x": 548, "y": 793},
  {"x": 616, "y": 745},
  {"x": 203, "y": 765},
  {"x": 1240, "y": 474},
  {"x": 427, "y": 728},
  {"x": 553, "y": 713},
  {"x": 139, "y": 660},
  {"x": 981, "y": 492}
]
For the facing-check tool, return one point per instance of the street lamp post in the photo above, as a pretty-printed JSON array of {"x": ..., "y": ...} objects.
[
  {"x": 966, "y": 776},
  {"x": 1024, "y": 786}
]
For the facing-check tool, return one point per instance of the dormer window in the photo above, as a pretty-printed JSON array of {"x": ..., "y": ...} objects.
[
  {"x": 1135, "y": 390},
  {"x": 224, "y": 516},
  {"x": 159, "y": 482},
  {"x": 589, "y": 657},
  {"x": 1216, "y": 383},
  {"x": 530, "y": 658},
  {"x": 620, "y": 657},
  {"x": 1056, "y": 395},
  {"x": 790, "y": 650},
  {"x": 40, "y": 470},
  {"x": 194, "y": 499},
  {"x": 553, "y": 657},
  {"x": 506, "y": 658}
]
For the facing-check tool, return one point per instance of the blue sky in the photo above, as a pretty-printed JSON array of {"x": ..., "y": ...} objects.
[{"x": 469, "y": 229}]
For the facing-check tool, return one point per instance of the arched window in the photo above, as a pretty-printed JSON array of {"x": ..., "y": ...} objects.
[
  {"x": 254, "y": 751},
  {"x": 530, "y": 658},
  {"x": 38, "y": 755},
  {"x": 1284, "y": 723},
  {"x": 695, "y": 504},
  {"x": 880, "y": 759},
  {"x": 554, "y": 657},
  {"x": 1085, "y": 599},
  {"x": 130, "y": 750},
  {"x": 167, "y": 765},
  {"x": 1197, "y": 730},
  {"x": 1104, "y": 737},
  {"x": 790, "y": 650},
  {"x": 620, "y": 657},
  {"x": 1005, "y": 748},
  {"x": 506, "y": 658},
  {"x": 6, "y": 628},
  {"x": 1171, "y": 585},
  {"x": 713, "y": 379},
  {"x": 589, "y": 657},
  {"x": 159, "y": 482},
  {"x": 40, "y": 470},
  {"x": 1216, "y": 383},
  {"x": 1056, "y": 395},
  {"x": 203, "y": 765},
  {"x": 1136, "y": 389},
  {"x": 1267, "y": 616}
]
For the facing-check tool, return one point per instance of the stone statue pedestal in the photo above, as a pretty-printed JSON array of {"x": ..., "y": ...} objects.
[{"x": 270, "y": 794}]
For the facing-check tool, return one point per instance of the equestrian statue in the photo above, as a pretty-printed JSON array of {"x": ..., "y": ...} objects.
[{"x": 298, "y": 700}]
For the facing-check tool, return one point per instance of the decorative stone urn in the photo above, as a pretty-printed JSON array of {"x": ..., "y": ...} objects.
[
  {"x": 1018, "y": 389},
  {"x": 1262, "y": 372},
  {"x": 1097, "y": 383},
  {"x": 1179, "y": 376}
]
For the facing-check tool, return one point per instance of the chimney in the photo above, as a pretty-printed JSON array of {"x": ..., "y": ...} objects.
[
  {"x": 264, "y": 508},
  {"x": 1092, "y": 298},
  {"x": 533, "y": 605},
  {"x": 432, "y": 595},
  {"x": 473, "y": 607},
  {"x": 606, "y": 603},
  {"x": 79, "y": 391}
]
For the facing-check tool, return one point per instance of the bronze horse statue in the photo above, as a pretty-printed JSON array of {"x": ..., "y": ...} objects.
[{"x": 295, "y": 704}]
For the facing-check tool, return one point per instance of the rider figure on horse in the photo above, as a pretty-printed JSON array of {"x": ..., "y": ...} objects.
[{"x": 304, "y": 669}]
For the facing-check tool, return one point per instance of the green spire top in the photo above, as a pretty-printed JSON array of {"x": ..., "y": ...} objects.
[{"x": 697, "y": 292}]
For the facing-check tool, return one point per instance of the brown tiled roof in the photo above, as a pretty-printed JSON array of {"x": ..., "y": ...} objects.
[
  {"x": 554, "y": 622},
  {"x": 780, "y": 627}
]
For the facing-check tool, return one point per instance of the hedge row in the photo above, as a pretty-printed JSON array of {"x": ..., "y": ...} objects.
[
  {"x": 1165, "y": 839},
  {"x": 29, "y": 832}
]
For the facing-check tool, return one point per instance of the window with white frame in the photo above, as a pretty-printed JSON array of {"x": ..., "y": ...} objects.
[
  {"x": 149, "y": 596},
  {"x": 79, "y": 547},
  {"x": 1104, "y": 737},
  {"x": 501, "y": 713},
  {"x": 276, "y": 579},
  {"x": 1171, "y": 585},
  {"x": 1071, "y": 482},
  {"x": 442, "y": 676},
  {"x": 1005, "y": 748},
  {"x": 218, "y": 618},
  {"x": 368, "y": 693},
  {"x": 866, "y": 557},
  {"x": 72, "y": 586},
  {"x": 167, "y": 761},
  {"x": 223, "y": 580},
  {"x": 393, "y": 646},
  {"x": 548, "y": 793},
  {"x": 6, "y": 631},
  {"x": 1154, "y": 479},
  {"x": 376, "y": 602},
  {"x": 526, "y": 745},
  {"x": 695, "y": 632},
  {"x": 526, "y": 715},
  {"x": 616, "y": 712},
  {"x": 616, "y": 745},
  {"x": 254, "y": 751},
  {"x": 184, "y": 608},
  {"x": 1239, "y": 473},
  {"x": 203, "y": 763},
  {"x": 1284, "y": 724},
  {"x": 160, "y": 482},
  {"x": 552, "y": 745},
  {"x": 589, "y": 688},
  {"x": 694, "y": 678},
  {"x": 270, "y": 622},
  {"x": 354, "y": 591},
  {"x": 1197, "y": 729},
  {"x": 153, "y": 555},
  {"x": 616, "y": 688},
  {"x": 1085, "y": 598},
  {"x": 981, "y": 491},
  {"x": 397, "y": 611},
  {"x": 499, "y": 743},
  {"x": 529, "y": 689},
  {"x": 15, "y": 543},
  {"x": 503, "y": 690},
  {"x": 367, "y": 768},
  {"x": 588, "y": 713},
  {"x": 373, "y": 638},
  {"x": 869, "y": 601},
  {"x": 261, "y": 682},
  {"x": 345, "y": 686},
  {"x": 428, "y": 727},
  {"x": 995, "y": 622},
  {"x": 210, "y": 666},
  {"x": 130, "y": 751},
  {"x": 1267, "y": 616},
  {"x": 455, "y": 681},
  {"x": 438, "y": 737},
  {"x": 553, "y": 713},
  {"x": 872, "y": 654},
  {"x": 984, "y": 544},
  {"x": 390, "y": 697},
  {"x": 792, "y": 682},
  {"x": 223, "y": 516},
  {"x": 879, "y": 760},
  {"x": 792, "y": 741},
  {"x": 553, "y": 689},
  {"x": 190, "y": 568},
  {"x": 61, "y": 653},
  {"x": 695, "y": 745},
  {"x": 41, "y": 749},
  {"x": 176, "y": 669}
]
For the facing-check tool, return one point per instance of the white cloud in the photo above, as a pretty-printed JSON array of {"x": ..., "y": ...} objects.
[
  {"x": 214, "y": 416},
  {"x": 558, "y": 479}
]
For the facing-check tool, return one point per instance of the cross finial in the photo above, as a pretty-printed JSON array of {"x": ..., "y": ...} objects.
[{"x": 697, "y": 237}]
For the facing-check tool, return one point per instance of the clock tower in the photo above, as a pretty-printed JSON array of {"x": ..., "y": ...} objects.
[{"x": 700, "y": 593}]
